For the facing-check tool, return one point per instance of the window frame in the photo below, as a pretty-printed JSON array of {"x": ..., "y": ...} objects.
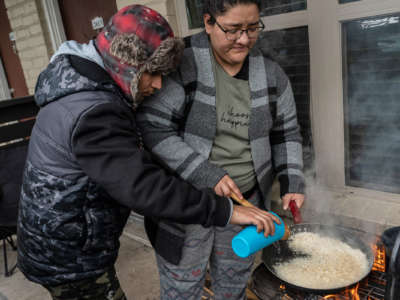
[
  {"x": 182, "y": 19},
  {"x": 327, "y": 105},
  {"x": 325, "y": 34},
  {"x": 54, "y": 22}
]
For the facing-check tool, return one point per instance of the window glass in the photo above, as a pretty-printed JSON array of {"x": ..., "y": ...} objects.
[
  {"x": 347, "y": 1},
  {"x": 276, "y": 7},
  {"x": 194, "y": 9},
  {"x": 290, "y": 49},
  {"x": 371, "y": 70}
]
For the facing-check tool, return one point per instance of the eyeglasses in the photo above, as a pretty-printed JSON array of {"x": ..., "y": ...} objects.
[{"x": 235, "y": 34}]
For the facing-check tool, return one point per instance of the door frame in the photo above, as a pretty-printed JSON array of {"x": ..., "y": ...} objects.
[
  {"x": 54, "y": 23},
  {"x": 4, "y": 87}
]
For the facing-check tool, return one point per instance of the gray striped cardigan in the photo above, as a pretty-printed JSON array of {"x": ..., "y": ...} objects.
[
  {"x": 179, "y": 121},
  {"x": 179, "y": 125}
]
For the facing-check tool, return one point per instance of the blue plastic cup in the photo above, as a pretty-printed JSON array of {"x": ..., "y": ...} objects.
[{"x": 249, "y": 241}]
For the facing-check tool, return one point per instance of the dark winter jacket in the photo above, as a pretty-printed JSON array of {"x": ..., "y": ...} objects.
[{"x": 84, "y": 173}]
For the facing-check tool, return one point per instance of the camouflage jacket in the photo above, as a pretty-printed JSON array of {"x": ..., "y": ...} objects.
[{"x": 85, "y": 170}]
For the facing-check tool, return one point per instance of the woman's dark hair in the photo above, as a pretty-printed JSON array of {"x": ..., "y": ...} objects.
[{"x": 216, "y": 8}]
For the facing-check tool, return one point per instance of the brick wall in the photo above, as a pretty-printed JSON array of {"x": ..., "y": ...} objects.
[
  {"x": 165, "y": 7},
  {"x": 26, "y": 22}
]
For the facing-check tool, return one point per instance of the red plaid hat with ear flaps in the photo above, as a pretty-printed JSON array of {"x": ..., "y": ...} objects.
[{"x": 138, "y": 39}]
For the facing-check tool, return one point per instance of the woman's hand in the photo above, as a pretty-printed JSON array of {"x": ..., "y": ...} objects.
[
  {"x": 298, "y": 198},
  {"x": 226, "y": 186}
]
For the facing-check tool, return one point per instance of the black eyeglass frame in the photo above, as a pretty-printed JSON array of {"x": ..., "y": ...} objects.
[{"x": 230, "y": 31}]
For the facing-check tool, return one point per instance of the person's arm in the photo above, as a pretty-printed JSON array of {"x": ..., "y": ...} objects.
[
  {"x": 286, "y": 142},
  {"x": 105, "y": 145},
  {"x": 160, "y": 118}
]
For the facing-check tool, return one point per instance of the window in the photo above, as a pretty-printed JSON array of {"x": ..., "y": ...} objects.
[
  {"x": 276, "y": 7},
  {"x": 290, "y": 49},
  {"x": 347, "y": 1},
  {"x": 371, "y": 66},
  {"x": 194, "y": 13},
  {"x": 194, "y": 9}
]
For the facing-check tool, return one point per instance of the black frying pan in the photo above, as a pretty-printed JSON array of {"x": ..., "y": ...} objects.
[{"x": 280, "y": 252}]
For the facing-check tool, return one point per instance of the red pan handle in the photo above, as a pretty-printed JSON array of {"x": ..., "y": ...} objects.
[{"x": 295, "y": 212}]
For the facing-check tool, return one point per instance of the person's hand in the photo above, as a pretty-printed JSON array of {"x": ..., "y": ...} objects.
[
  {"x": 226, "y": 186},
  {"x": 298, "y": 198},
  {"x": 262, "y": 219}
]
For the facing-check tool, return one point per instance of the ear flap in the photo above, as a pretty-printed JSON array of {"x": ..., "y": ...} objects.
[
  {"x": 134, "y": 88},
  {"x": 167, "y": 56},
  {"x": 129, "y": 49}
]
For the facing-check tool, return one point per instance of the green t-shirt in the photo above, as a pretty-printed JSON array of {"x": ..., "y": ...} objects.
[{"x": 231, "y": 148}]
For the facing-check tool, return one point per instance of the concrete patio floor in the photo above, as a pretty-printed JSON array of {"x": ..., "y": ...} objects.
[{"x": 136, "y": 269}]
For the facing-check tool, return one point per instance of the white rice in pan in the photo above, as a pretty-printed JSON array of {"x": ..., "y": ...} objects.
[{"x": 331, "y": 264}]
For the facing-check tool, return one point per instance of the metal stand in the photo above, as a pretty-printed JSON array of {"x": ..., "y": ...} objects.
[{"x": 9, "y": 240}]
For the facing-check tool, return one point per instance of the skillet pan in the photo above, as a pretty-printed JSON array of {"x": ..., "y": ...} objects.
[{"x": 279, "y": 252}]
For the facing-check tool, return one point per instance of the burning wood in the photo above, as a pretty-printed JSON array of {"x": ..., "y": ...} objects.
[
  {"x": 380, "y": 258},
  {"x": 350, "y": 294}
]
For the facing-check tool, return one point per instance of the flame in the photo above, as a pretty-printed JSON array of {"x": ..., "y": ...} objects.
[
  {"x": 284, "y": 296},
  {"x": 380, "y": 258},
  {"x": 351, "y": 294}
]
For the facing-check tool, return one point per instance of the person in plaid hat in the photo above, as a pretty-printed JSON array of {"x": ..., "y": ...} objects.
[
  {"x": 138, "y": 40},
  {"x": 86, "y": 168}
]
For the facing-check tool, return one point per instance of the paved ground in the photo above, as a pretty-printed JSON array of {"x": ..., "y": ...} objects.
[{"x": 135, "y": 266}]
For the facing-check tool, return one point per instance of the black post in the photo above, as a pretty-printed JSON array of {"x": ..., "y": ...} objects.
[
  {"x": 393, "y": 283},
  {"x": 5, "y": 258}
]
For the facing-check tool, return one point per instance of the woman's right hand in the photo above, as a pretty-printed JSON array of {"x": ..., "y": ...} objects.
[
  {"x": 262, "y": 219},
  {"x": 226, "y": 186}
]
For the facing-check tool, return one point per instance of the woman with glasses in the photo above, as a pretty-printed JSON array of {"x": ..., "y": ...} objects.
[{"x": 225, "y": 120}]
